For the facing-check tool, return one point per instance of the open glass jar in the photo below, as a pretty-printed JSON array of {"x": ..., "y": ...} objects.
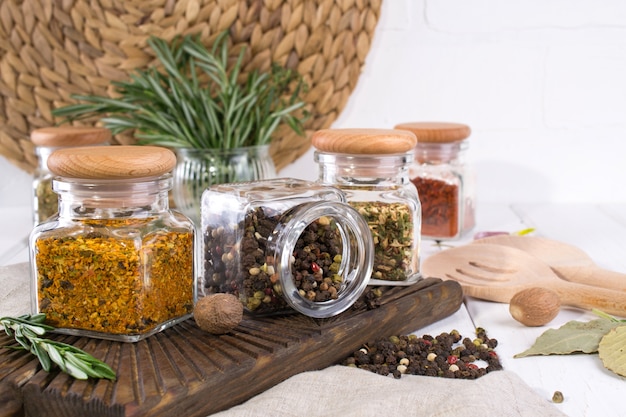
[
  {"x": 284, "y": 245},
  {"x": 47, "y": 140},
  {"x": 445, "y": 182},
  {"x": 371, "y": 167},
  {"x": 115, "y": 263}
]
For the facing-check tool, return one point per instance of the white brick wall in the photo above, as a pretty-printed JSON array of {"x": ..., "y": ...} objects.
[{"x": 542, "y": 83}]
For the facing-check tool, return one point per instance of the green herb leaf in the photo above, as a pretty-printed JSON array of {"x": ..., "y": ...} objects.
[
  {"x": 612, "y": 350},
  {"x": 71, "y": 360},
  {"x": 572, "y": 337},
  {"x": 196, "y": 99}
]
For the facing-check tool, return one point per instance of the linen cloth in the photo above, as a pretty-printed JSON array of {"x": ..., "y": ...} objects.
[
  {"x": 350, "y": 392},
  {"x": 343, "y": 391}
]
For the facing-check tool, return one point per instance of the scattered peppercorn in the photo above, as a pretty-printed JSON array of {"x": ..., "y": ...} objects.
[
  {"x": 447, "y": 355},
  {"x": 557, "y": 397}
]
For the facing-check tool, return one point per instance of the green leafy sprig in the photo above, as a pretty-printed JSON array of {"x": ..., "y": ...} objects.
[
  {"x": 27, "y": 331},
  {"x": 196, "y": 100}
]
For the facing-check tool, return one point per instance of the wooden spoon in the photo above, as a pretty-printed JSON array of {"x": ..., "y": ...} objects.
[
  {"x": 497, "y": 272},
  {"x": 569, "y": 262}
]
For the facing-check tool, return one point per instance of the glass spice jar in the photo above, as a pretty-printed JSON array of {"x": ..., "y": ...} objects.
[
  {"x": 371, "y": 167},
  {"x": 284, "y": 245},
  {"x": 46, "y": 140},
  {"x": 444, "y": 181},
  {"x": 116, "y": 263}
]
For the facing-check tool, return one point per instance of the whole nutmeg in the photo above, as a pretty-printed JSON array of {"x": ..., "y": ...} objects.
[
  {"x": 218, "y": 313},
  {"x": 535, "y": 306}
]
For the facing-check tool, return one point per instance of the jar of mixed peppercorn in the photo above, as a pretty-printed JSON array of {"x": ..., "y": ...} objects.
[
  {"x": 47, "y": 140},
  {"x": 371, "y": 167},
  {"x": 116, "y": 263},
  {"x": 284, "y": 245},
  {"x": 443, "y": 179}
]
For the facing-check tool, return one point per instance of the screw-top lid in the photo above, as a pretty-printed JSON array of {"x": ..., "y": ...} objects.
[
  {"x": 111, "y": 162},
  {"x": 437, "y": 132},
  {"x": 364, "y": 141},
  {"x": 70, "y": 136}
]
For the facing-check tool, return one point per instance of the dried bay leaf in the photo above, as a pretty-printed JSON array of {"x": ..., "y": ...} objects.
[
  {"x": 612, "y": 350},
  {"x": 572, "y": 337}
]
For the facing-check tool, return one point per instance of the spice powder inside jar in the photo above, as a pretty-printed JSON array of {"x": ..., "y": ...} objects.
[{"x": 444, "y": 181}]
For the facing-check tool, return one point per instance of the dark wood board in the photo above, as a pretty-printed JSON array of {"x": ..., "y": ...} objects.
[{"x": 187, "y": 372}]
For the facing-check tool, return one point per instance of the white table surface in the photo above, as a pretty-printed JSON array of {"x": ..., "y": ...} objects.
[{"x": 600, "y": 230}]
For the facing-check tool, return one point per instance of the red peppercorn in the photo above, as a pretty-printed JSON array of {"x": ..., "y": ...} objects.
[
  {"x": 315, "y": 267},
  {"x": 452, "y": 359}
]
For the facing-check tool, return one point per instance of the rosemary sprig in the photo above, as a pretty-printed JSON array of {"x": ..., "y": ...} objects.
[
  {"x": 27, "y": 329},
  {"x": 197, "y": 98}
]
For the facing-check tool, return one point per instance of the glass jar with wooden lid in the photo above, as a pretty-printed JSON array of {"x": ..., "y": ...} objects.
[
  {"x": 284, "y": 245},
  {"x": 116, "y": 263},
  {"x": 444, "y": 180},
  {"x": 47, "y": 140},
  {"x": 371, "y": 167}
]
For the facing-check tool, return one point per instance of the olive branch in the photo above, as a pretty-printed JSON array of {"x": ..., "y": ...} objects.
[{"x": 27, "y": 331}]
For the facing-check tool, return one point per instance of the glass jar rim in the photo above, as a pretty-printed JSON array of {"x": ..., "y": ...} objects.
[
  {"x": 105, "y": 188},
  {"x": 351, "y": 224}
]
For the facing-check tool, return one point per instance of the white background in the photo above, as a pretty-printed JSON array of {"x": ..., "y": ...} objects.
[{"x": 542, "y": 84}]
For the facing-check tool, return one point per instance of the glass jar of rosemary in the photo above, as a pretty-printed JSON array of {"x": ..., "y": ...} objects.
[
  {"x": 371, "y": 167},
  {"x": 444, "y": 180},
  {"x": 283, "y": 246},
  {"x": 116, "y": 263},
  {"x": 47, "y": 140}
]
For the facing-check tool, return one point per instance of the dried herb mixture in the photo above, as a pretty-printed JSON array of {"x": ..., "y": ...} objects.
[
  {"x": 46, "y": 200},
  {"x": 393, "y": 232},
  {"x": 119, "y": 285}
]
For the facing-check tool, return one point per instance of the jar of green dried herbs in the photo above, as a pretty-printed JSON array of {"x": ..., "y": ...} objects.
[
  {"x": 46, "y": 140},
  {"x": 284, "y": 246},
  {"x": 371, "y": 167},
  {"x": 116, "y": 263}
]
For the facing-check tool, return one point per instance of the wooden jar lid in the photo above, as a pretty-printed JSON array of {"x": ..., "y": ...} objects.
[
  {"x": 437, "y": 132},
  {"x": 70, "y": 136},
  {"x": 111, "y": 162},
  {"x": 364, "y": 141}
]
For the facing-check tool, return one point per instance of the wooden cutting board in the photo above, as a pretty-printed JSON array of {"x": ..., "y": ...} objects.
[{"x": 184, "y": 371}]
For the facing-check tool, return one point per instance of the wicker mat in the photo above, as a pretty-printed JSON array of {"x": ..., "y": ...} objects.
[{"x": 51, "y": 49}]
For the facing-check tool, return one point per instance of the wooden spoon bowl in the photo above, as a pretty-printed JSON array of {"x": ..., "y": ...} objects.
[
  {"x": 496, "y": 273},
  {"x": 569, "y": 262}
]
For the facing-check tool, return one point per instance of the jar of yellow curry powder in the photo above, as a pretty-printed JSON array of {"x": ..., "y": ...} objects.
[{"x": 116, "y": 263}]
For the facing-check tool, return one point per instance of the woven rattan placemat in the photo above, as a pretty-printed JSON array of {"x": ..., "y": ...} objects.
[{"x": 50, "y": 49}]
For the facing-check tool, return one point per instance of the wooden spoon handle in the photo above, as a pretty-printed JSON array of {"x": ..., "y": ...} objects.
[
  {"x": 596, "y": 276},
  {"x": 588, "y": 297}
]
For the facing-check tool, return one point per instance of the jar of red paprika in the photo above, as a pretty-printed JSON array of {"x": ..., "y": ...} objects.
[
  {"x": 444, "y": 181},
  {"x": 371, "y": 167}
]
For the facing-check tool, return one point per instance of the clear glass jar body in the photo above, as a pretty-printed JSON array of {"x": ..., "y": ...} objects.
[
  {"x": 198, "y": 169},
  {"x": 115, "y": 263},
  {"x": 378, "y": 187},
  {"x": 45, "y": 200},
  {"x": 284, "y": 245},
  {"x": 445, "y": 184}
]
